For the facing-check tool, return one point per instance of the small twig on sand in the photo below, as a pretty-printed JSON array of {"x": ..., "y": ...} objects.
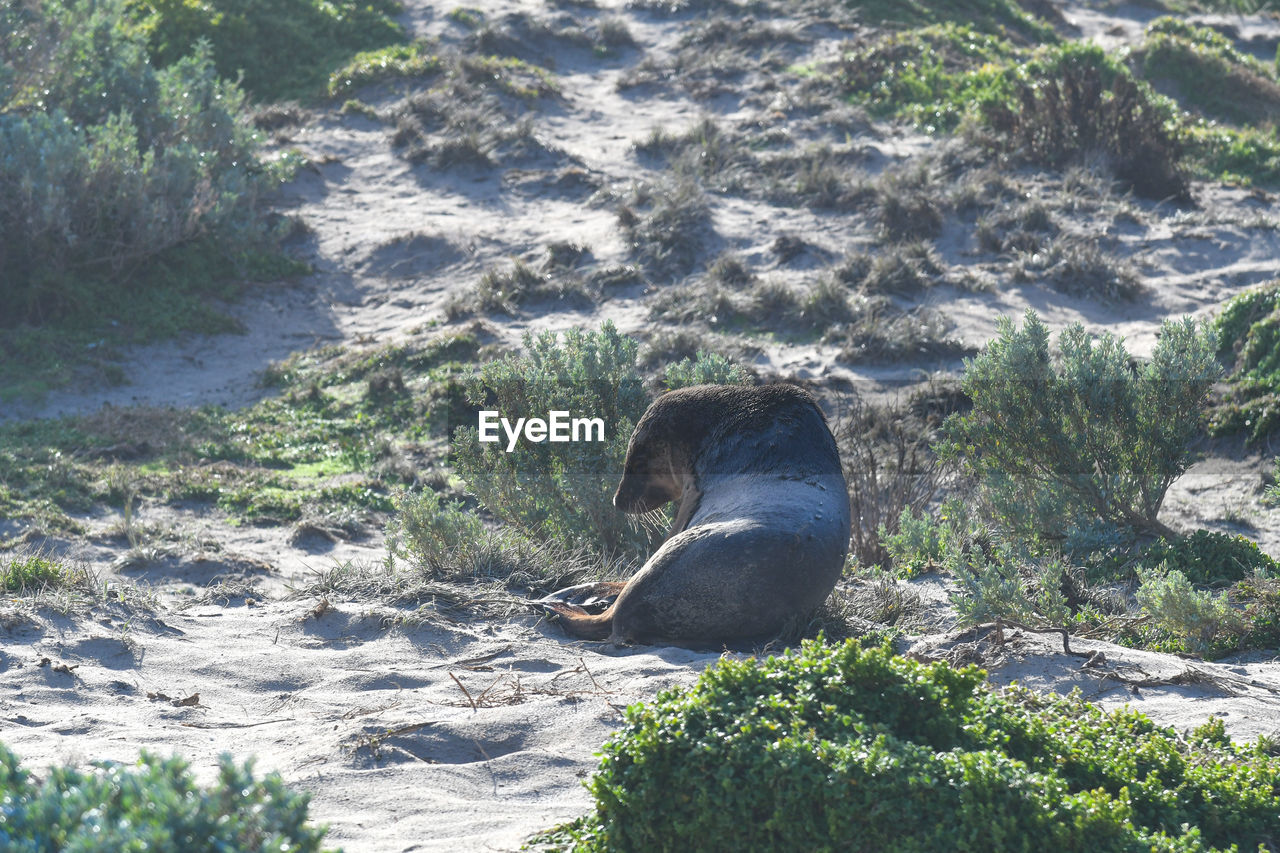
[
  {"x": 999, "y": 625},
  {"x": 464, "y": 692}
]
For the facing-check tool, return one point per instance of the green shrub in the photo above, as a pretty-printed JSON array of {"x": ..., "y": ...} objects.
[
  {"x": 558, "y": 491},
  {"x": 930, "y": 76},
  {"x": 440, "y": 537},
  {"x": 1249, "y": 342},
  {"x": 1180, "y": 619},
  {"x": 154, "y": 805},
  {"x": 433, "y": 542},
  {"x": 1090, "y": 441},
  {"x": 388, "y": 63},
  {"x": 1237, "y": 155},
  {"x": 1198, "y": 618},
  {"x": 32, "y": 572},
  {"x": 708, "y": 368},
  {"x": 109, "y": 164},
  {"x": 131, "y": 194},
  {"x": 993, "y": 584},
  {"x": 831, "y": 748},
  {"x": 924, "y": 541},
  {"x": 1208, "y": 557},
  {"x": 1209, "y": 73},
  {"x": 1077, "y": 101},
  {"x": 283, "y": 48}
]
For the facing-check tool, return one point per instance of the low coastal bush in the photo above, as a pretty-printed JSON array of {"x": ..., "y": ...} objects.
[
  {"x": 131, "y": 194},
  {"x": 1057, "y": 102},
  {"x": 558, "y": 491},
  {"x": 1249, "y": 343},
  {"x": 109, "y": 164},
  {"x": 1077, "y": 102},
  {"x": 1180, "y": 618},
  {"x": 153, "y": 805},
  {"x": 828, "y": 747},
  {"x": 1208, "y": 72},
  {"x": 1089, "y": 442}
]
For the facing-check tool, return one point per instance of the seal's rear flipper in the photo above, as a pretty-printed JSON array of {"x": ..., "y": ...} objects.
[
  {"x": 586, "y": 597},
  {"x": 578, "y": 622}
]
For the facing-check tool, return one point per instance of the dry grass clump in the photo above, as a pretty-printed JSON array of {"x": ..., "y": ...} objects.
[
  {"x": 542, "y": 40},
  {"x": 903, "y": 269},
  {"x": 758, "y": 306},
  {"x": 508, "y": 290},
  {"x": 880, "y": 331},
  {"x": 1015, "y": 228},
  {"x": 477, "y": 116},
  {"x": 761, "y": 164},
  {"x": 910, "y": 205},
  {"x": 1080, "y": 267},
  {"x": 665, "y": 347},
  {"x": 715, "y": 55},
  {"x": 890, "y": 464},
  {"x": 668, "y": 225}
]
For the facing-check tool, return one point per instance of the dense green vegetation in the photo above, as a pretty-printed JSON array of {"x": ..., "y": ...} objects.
[
  {"x": 1249, "y": 343},
  {"x": 276, "y": 49},
  {"x": 559, "y": 491},
  {"x": 1059, "y": 449},
  {"x": 828, "y": 744},
  {"x": 1073, "y": 454},
  {"x": 132, "y": 193},
  {"x": 152, "y": 805},
  {"x": 1183, "y": 100}
]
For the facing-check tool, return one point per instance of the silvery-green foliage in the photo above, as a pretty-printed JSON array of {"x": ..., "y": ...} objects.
[
  {"x": 107, "y": 163},
  {"x": 1089, "y": 437},
  {"x": 708, "y": 368},
  {"x": 927, "y": 540},
  {"x": 994, "y": 585},
  {"x": 1170, "y": 600},
  {"x": 559, "y": 491}
]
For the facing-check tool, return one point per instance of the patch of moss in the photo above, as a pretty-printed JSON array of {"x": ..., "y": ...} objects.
[{"x": 347, "y": 429}]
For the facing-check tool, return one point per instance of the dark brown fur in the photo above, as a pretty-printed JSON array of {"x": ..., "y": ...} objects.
[{"x": 761, "y": 531}]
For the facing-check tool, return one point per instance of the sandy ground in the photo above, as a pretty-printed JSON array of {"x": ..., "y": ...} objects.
[{"x": 456, "y": 733}]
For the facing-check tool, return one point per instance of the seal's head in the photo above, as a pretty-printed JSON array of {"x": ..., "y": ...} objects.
[
  {"x": 657, "y": 456},
  {"x": 648, "y": 476}
]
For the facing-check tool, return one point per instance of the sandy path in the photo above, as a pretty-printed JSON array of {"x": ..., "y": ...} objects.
[{"x": 370, "y": 720}]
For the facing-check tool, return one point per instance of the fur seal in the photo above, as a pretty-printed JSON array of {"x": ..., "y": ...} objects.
[{"x": 761, "y": 532}]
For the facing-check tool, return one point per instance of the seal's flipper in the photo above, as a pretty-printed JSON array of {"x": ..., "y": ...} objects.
[
  {"x": 578, "y": 622},
  {"x": 587, "y": 597}
]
